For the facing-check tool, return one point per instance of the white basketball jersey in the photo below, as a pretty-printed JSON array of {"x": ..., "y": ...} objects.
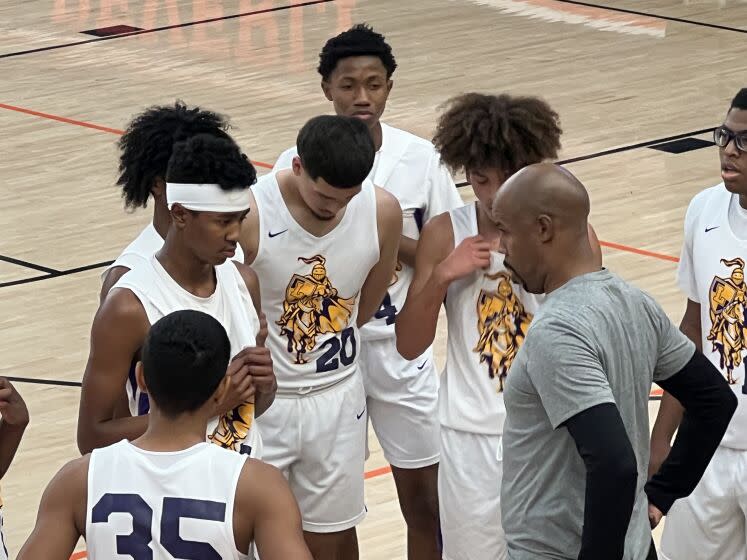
[
  {"x": 230, "y": 304},
  {"x": 162, "y": 505},
  {"x": 145, "y": 245},
  {"x": 408, "y": 167},
  {"x": 711, "y": 273},
  {"x": 3, "y": 546},
  {"x": 488, "y": 317},
  {"x": 311, "y": 287}
]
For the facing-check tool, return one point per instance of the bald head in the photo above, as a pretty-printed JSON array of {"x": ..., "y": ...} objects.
[{"x": 545, "y": 189}]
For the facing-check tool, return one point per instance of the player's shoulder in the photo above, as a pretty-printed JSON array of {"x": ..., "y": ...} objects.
[
  {"x": 438, "y": 233},
  {"x": 707, "y": 203},
  {"x": 411, "y": 144},
  {"x": 258, "y": 478},
  {"x": 74, "y": 474},
  {"x": 121, "y": 304}
]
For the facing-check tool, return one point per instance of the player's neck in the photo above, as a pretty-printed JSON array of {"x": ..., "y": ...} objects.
[
  {"x": 172, "y": 434},
  {"x": 300, "y": 211},
  {"x": 485, "y": 226},
  {"x": 378, "y": 135},
  {"x": 191, "y": 274},
  {"x": 743, "y": 201},
  {"x": 161, "y": 219}
]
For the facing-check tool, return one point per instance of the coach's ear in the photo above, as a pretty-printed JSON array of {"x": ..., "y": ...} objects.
[{"x": 140, "y": 377}]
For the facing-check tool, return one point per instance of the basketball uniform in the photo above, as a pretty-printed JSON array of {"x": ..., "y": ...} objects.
[
  {"x": 402, "y": 395},
  {"x": 710, "y": 523},
  {"x": 315, "y": 430},
  {"x": 488, "y": 317},
  {"x": 162, "y": 505},
  {"x": 230, "y": 304},
  {"x": 144, "y": 246},
  {"x": 3, "y": 546}
]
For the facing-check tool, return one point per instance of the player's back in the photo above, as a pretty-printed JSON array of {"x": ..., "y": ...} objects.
[{"x": 162, "y": 505}]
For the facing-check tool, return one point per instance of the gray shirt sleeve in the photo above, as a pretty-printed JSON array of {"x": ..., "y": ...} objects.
[
  {"x": 675, "y": 349},
  {"x": 565, "y": 371}
]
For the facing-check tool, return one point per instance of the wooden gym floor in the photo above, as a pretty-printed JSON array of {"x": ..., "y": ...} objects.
[{"x": 627, "y": 77}]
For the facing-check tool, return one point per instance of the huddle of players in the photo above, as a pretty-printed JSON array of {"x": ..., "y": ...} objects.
[{"x": 264, "y": 319}]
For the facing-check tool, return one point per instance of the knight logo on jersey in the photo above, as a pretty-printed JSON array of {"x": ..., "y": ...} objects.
[
  {"x": 727, "y": 298},
  {"x": 502, "y": 323},
  {"x": 233, "y": 427},
  {"x": 312, "y": 307}
]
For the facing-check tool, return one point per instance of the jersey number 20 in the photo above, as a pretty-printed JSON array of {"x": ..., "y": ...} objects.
[{"x": 137, "y": 543}]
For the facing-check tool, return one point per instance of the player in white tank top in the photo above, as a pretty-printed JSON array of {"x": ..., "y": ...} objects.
[
  {"x": 169, "y": 494},
  {"x": 458, "y": 262},
  {"x": 356, "y": 68},
  {"x": 324, "y": 245},
  {"x": 710, "y": 523},
  {"x": 15, "y": 419},
  {"x": 191, "y": 271},
  {"x": 145, "y": 149}
]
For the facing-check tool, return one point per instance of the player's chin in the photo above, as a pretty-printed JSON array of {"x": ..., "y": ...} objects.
[{"x": 737, "y": 186}]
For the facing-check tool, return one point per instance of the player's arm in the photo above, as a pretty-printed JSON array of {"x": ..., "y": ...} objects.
[
  {"x": 15, "y": 418},
  {"x": 389, "y": 223},
  {"x": 268, "y": 514},
  {"x": 408, "y": 248},
  {"x": 260, "y": 368},
  {"x": 249, "y": 236},
  {"x": 111, "y": 277},
  {"x": 119, "y": 329},
  {"x": 670, "y": 410},
  {"x": 62, "y": 517}
]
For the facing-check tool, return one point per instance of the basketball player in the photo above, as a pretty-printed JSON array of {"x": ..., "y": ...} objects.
[
  {"x": 145, "y": 149},
  {"x": 323, "y": 242},
  {"x": 356, "y": 68},
  {"x": 710, "y": 523},
  {"x": 15, "y": 418},
  {"x": 490, "y": 137},
  {"x": 169, "y": 494},
  {"x": 576, "y": 431},
  {"x": 207, "y": 191}
]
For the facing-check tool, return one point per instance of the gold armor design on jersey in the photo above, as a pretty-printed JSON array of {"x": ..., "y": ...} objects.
[
  {"x": 728, "y": 334},
  {"x": 233, "y": 427},
  {"x": 312, "y": 307},
  {"x": 502, "y": 324}
]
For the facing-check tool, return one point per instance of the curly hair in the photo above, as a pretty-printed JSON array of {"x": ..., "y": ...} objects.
[
  {"x": 205, "y": 158},
  {"x": 359, "y": 40},
  {"x": 147, "y": 144},
  {"x": 478, "y": 131}
]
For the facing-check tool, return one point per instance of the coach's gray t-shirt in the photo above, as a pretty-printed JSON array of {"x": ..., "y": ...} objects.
[{"x": 594, "y": 340}]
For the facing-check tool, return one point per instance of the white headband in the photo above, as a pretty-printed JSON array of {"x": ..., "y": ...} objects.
[{"x": 207, "y": 197}]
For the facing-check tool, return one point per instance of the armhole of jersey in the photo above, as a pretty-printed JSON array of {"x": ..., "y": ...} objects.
[
  {"x": 376, "y": 220},
  {"x": 245, "y": 293},
  {"x": 260, "y": 233},
  {"x": 232, "y": 504},
  {"x": 89, "y": 490}
]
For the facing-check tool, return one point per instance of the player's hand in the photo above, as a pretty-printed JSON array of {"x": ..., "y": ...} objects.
[
  {"x": 240, "y": 388},
  {"x": 263, "y": 330},
  {"x": 654, "y": 515},
  {"x": 12, "y": 406},
  {"x": 471, "y": 254},
  {"x": 259, "y": 362}
]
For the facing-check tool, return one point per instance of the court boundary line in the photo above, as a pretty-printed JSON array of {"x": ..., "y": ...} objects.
[
  {"x": 27, "y": 264},
  {"x": 163, "y": 28},
  {"x": 56, "y": 274},
  {"x": 655, "y": 16}
]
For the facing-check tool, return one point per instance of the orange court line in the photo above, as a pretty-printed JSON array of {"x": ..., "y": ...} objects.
[
  {"x": 637, "y": 251},
  {"x": 84, "y": 124}
]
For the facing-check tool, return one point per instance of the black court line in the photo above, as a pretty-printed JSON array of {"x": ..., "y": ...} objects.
[
  {"x": 627, "y": 148},
  {"x": 27, "y": 264},
  {"x": 55, "y": 274},
  {"x": 656, "y": 16},
  {"x": 44, "y": 381},
  {"x": 164, "y": 28}
]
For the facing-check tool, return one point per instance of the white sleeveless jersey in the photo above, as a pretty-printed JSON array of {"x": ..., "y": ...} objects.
[
  {"x": 162, "y": 505},
  {"x": 144, "y": 246},
  {"x": 230, "y": 304},
  {"x": 311, "y": 287},
  {"x": 711, "y": 273},
  {"x": 409, "y": 168},
  {"x": 488, "y": 317},
  {"x": 3, "y": 546}
]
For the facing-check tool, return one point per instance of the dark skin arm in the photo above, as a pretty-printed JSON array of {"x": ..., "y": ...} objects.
[
  {"x": 119, "y": 329},
  {"x": 111, "y": 277},
  {"x": 266, "y": 511},
  {"x": 389, "y": 220},
  {"x": 260, "y": 370},
  {"x": 670, "y": 410},
  {"x": 15, "y": 418},
  {"x": 61, "y": 520},
  {"x": 408, "y": 248}
]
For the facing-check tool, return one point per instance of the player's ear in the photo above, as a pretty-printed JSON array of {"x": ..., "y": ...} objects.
[
  {"x": 326, "y": 90},
  {"x": 140, "y": 377},
  {"x": 178, "y": 215},
  {"x": 159, "y": 188},
  {"x": 389, "y": 86},
  {"x": 222, "y": 389},
  {"x": 297, "y": 166}
]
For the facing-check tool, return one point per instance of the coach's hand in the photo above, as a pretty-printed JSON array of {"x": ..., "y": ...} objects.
[
  {"x": 12, "y": 406},
  {"x": 471, "y": 254},
  {"x": 654, "y": 515}
]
